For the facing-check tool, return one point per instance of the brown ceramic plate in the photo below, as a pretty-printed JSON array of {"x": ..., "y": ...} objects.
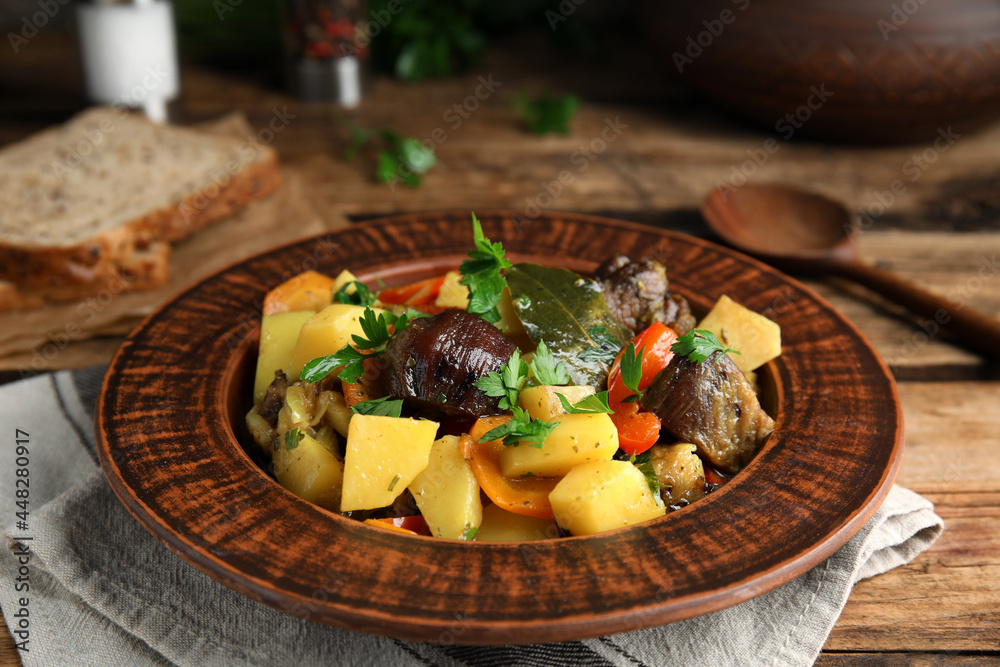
[{"x": 174, "y": 397}]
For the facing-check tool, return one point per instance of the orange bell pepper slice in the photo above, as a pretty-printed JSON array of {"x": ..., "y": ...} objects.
[
  {"x": 420, "y": 293},
  {"x": 638, "y": 431},
  {"x": 307, "y": 291},
  {"x": 527, "y": 496}
]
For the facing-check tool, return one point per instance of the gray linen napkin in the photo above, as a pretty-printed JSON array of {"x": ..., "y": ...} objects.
[{"x": 103, "y": 591}]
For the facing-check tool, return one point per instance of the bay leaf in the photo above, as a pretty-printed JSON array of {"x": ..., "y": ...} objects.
[{"x": 568, "y": 312}]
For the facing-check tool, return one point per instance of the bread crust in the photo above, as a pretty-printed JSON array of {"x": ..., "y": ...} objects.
[{"x": 80, "y": 270}]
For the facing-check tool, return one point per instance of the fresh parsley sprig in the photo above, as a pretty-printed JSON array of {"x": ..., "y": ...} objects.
[
  {"x": 631, "y": 367},
  {"x": 481, "y": 273},
  {"x": 521, "y": 428},
  {"x": 595, "y": 404},
  {"x": 375, "y": 328},
  {"x": 546, "y": 368},
  {"x": 698, "y": 345},
  {"x": 385, "y": 407},
  {"x": 507, "y": 383}
]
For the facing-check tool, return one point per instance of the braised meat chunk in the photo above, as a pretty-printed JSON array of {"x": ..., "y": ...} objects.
[
  {"x": 712, "y": 405},
  {"x": 638, "y": 294},
  {"x": 434, "y": 362}
]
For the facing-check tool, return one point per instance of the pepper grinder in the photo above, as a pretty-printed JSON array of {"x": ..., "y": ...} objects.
[{"x": 129, "y": 54}]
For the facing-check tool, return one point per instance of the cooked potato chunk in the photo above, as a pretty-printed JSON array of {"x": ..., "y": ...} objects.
[
  {"x": 326, "y": 332},
  {"x": 599, "y": 496},
  {"x": 680, "y": 471},
  {"x": 342, "y": 279},
  {"x": 311, "y": 471},
  {"x": 307, "y": 291},
  {"x": 499, "y": 525},
  {"x": 757, "y": 338},
  {"x": 542, "y": 403},
  {"x": 446, "y": 491},
  {"x": 577, "y": 439},
  {"x": 338, "y": 415},
  {"x": 453, "y": 293},
  {"x": 383, "y": 456},
  {"x": 278, "y": 334}
]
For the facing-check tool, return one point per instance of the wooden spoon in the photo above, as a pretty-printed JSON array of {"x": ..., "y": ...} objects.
[{"x": 805, "y": 232}]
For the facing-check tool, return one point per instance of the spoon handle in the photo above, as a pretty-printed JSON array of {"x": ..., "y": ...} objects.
[{"x": 975, "y": 329}]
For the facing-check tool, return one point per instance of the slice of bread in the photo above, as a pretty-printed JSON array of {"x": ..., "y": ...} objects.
[
  {"x": 145, "y": 269},
  {"x": 92, "y": 200}
]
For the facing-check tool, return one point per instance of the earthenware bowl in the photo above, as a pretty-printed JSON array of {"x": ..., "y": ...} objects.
[
  {"x": 172, "y": 405},
  {"x": 851, "y": 70}
]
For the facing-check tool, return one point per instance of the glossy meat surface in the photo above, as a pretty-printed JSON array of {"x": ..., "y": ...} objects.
[
  {"x": 434, "y": 362},
  {"x": 638, "y": 294},
  {"x": 713, "y": 406}
]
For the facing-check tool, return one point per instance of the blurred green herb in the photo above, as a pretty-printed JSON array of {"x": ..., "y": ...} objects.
[
  {"x": 400, "y": 159},
  {"x": 547, "y": 113},
  {"x": 425, "y": 38}
]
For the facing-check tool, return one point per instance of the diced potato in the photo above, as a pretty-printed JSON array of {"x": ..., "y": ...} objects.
[
  {"x": 542, "y": 403},
  {"x": 342, "y": 279},
  {"x": 680, "y": 471},
  {"x": 577, "y": 439},
  {"x": 453, "y": 293},
  {"x": 757, "y": 338},
  {"x": 603, "y": 495},
  {"x": 383, "y": 456},
  {"x": 307, "y": 291},
  {"x": 278, "y": 334},
  {"x": 326, "y": 332},
  {"x": 338, "y": 415},
  {"x": 499, "y": 525},
  {"x": 311, "y": 471},
  {"x": 446, "y": 491}
]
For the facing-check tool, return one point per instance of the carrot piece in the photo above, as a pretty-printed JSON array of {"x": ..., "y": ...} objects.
[
  {"x": 307, "y": 291},
  {"x": 355, "y": 392},
  {"x": 527, "y": 496},
  {"x": 414, "y": 524}
]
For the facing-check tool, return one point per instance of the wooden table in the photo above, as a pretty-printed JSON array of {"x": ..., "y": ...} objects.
[{"x": 942, "y": 231}]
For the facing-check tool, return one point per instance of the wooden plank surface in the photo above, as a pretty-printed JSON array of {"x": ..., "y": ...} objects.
[{"x": 940, "y": 609}]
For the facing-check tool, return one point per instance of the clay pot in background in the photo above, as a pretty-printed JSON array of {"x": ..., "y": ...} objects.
[{"x": 891, "y": 71}]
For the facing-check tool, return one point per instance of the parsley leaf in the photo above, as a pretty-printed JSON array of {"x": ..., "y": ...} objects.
[
  {"x": 546, "y": 369},
  {"x": 375, "y": 327},
  {"x": 606, "y": 350},
  {"x": 385, "y": 407},
  {"x": 481, "y": 274},
  {"x": 644, "y": 463},
  {"x": 594, "y": 404},
  {"x": 292, "y": 439},
  {"x": 521, "y": 428},
  {"x": 361, "y": 296},
  {"x": 506, "y": 383},
  {"x": 631, "y": 367},
  {"x": 470, "y": 532},
  {"x": 698, "y": 345}
]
